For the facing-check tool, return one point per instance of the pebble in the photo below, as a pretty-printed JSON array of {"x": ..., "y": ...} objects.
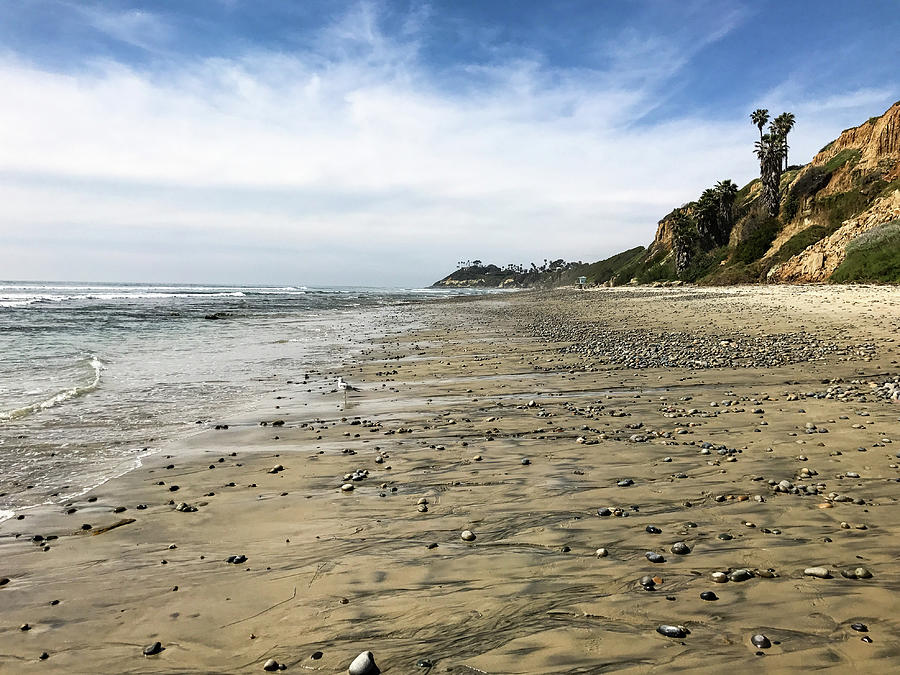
[
  {"x": 680, "y": 548},
  {"x": 270, "y": 665},
  {"x": 719, "y": 577},
  {"x": 153, "y": 649},
  {"x": 654, "y": 557},
  {"x": 604, "y": 512},
  {"x": 709, "y": 596},
  {"x": 820, "y": 572},
  {"x": 347, "y": 487},
  {"x": 651, "y": 529},
  {"x": 625, "y": 482},
  {"x": 672, "y": 631},
  {"x": 856, "y": 573},
  {"x": 602, "y": 553},
  {"x": 860, "y": 627},
  {"x": 364, "y": 664},
  {"x": 467, "y": 535},
  {"x": 526, "y": 461},
  {"x": 236, "y": 559},
  {"x": 742, "y": 574},
  {"x": 761, "y": 641}
]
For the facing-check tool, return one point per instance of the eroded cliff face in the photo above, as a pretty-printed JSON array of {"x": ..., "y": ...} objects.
[
  {"x": 818, "y": 262},
  {"x": 865, "y": 154},
  {"x": 664, "y": 239},
  {"x": 878, "y": 141}
]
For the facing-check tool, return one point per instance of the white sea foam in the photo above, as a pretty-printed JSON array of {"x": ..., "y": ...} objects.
[{"x": 60, "y": 396}]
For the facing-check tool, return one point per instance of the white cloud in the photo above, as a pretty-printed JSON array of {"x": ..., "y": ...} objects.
[{"x": 349, "y": 149}]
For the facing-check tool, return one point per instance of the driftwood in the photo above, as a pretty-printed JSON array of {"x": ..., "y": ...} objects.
[{"x": 119, "y": 523}]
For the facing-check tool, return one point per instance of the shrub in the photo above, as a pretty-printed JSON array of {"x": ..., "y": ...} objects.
[
  {"x": 873, "y": 256},
  {"x": 845, "y": 156},
  {"x": 799, "y": 242},
  {"x": 763, "y": 233},
  {"x": 815, "y": 178},
  {"x": 841, "y": 206}
]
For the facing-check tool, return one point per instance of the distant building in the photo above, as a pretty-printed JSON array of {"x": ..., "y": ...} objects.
[{"x": 582, "y": 282}]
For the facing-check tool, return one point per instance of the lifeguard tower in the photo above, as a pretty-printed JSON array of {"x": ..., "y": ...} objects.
[{"x": 582, "y": 282}]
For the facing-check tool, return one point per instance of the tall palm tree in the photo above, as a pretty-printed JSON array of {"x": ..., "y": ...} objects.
[
  {"x": 782, "y": 126},
  {"x": 769, "y": 151},
  {"x": 759, "y": 117}
]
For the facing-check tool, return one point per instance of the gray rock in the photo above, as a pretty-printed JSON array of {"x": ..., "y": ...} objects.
[
  {"x": 672, "y": 631},
  {"x": 761, "y": 641},
  {"x": 364, "y": 664},
  {"x": 270, "y": 665},
  {"x": 819, "y": 572},
  {"x": 740, "y": 575},
  {"x": 680, "y": 548},
  {"x": 654, "y": 557},
  {"x": 151, "y": 650},
  {"x": 467, "y": 535}
]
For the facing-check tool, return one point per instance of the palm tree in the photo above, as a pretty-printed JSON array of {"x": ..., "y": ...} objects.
[
  {"x": 782, "y": 125},
  {"x": 726, "y": 192},
  {"x": 759, "y": 117},
  {"x": 770, "y": 151}
]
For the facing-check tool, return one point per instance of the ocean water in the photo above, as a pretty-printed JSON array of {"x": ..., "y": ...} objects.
[{"x": 95, "y": 376}]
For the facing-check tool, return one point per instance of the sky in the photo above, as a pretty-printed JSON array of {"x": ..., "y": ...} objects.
[{"x": 379, "y": 142}]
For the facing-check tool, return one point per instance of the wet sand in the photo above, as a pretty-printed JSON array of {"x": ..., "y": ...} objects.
[{"x": 447, "y": 413}]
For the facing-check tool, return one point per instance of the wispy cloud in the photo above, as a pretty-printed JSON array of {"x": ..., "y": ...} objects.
[{"x": 354, "y": 149}]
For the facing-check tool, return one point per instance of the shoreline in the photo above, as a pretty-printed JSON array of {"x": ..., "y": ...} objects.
[{"x": 446, "y": 412}]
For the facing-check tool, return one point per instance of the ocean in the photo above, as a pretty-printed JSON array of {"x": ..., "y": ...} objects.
[{"x": 93, "y": 377}]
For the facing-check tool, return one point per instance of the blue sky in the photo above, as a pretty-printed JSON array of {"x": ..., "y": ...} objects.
[{"x": 379, "y": 142}]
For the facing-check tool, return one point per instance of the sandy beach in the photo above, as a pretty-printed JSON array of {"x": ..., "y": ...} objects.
[{"x": 755, "y": 425}]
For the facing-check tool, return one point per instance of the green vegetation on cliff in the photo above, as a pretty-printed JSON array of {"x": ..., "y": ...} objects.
[{"x": 873, "y": 256}]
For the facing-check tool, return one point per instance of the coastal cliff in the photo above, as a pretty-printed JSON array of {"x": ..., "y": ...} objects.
[{"x": 849, "y": 190}]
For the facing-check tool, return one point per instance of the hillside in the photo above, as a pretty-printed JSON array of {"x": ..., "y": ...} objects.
[
  {"x": 850, "y": 187},
  {"x": 838, "y": 219}
]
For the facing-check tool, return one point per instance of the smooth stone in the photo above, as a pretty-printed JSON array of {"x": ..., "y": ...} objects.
[
  {"x": 525, "y": 461},
  {"x": 761, "y": 641},
  {"x": 654, "y": 557},
  {"x": 155, "y": 648},
  {"x": 708, "y": 595},
  {"x": 740, "y": 575},
  {"x": 724, "y": 536},
  {"x": 652, "y": 529},
  {"x": 270, "y": 665},
  {"x": 625, "y": 482},
  {"x": 604, "y": 512},
  {"x": 672, "y": 631},
  {"x": 602, "y": 553},
  {"x": 680, "y": 548},
  {"x": 719, "y": 577},
  {"x": 347, "y": 487},
  {"x": 467, "y": 535},
  {"x": 820, "y": 572},
  {"x": 364, "y": 664},
  {"x": 860, "y": 627}
]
